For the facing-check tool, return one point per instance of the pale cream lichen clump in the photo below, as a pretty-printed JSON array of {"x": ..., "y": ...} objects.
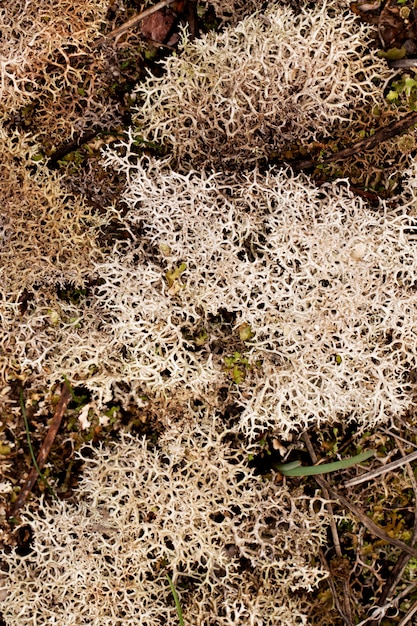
[
  {"x": 294, "y": 305},
  {"x": 268, "y": 249},
  {"x": 189, "y": 507},
  {"x": 235, "y": 98},
  {"x": 324, "y": 286}
]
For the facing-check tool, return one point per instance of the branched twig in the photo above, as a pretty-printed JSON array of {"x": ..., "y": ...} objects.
[
  {"x": 398, "y": 569},
  {"x": 402, "y": 63},
  {"x": 32, "y": 453},
  {"x": 117, "y": 32},
  {"x": 345, "y": 610},
  {"x": 379, "y": 612},
  {"x": 192, "y": 18},
  {"x": 406, "y": 619},
  {"x": 45, "y": 449},
  {"x": 373, "y": 528},
  {"x": 333, "y": 589},
  {"x": 383, "y": 134},
  {"x": 62, "y": 151},
  {"x": 389, "y": 432},
  {"x": 379, "y": 471}
]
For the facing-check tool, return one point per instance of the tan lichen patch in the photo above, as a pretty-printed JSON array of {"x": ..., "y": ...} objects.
[
  {"x": 191, "y": 507},
  {"x": 234, "y": 99}
]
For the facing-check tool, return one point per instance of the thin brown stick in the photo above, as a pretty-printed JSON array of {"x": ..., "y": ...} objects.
[
  {"x": 378, "y": 612},
  {"x": 402, "y": 63},
  {"x": 132, "y": 22},
  {"x": 65, "y": 149},
  {"x": 379, "y": 471},
  {"x": 373, "y": 528},
  {"x": 191, "y": 13},
  {"x": 344, "y": 607},
  {"x": 398, "y": 569},
  {"x": 333, "y": 589},
  {"x": 410, "y": 613},
  {"x": 45, "y": 449},
  {"x": 383, "y": 134}
]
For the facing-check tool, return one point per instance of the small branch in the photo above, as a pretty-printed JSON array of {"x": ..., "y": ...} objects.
[
  {"x": 45, "y": 449},
  {"x": 379, "y": 612},
  {"x": 406, "y": 619},
  {"x": 373, "y": 528},
  {"x": 397, "y": 571},
  {"x": 333, "y": 589},
  {"x": 191, "y": 13},
  {"x": 343, "y": 607},
  {"x": 379, "y": 471},
  {"x": 69, "y": 147},
  {"x": 383, "y": 134},
  {"x": 117, "y": 32},
  {"x": 402, "y": 63}
]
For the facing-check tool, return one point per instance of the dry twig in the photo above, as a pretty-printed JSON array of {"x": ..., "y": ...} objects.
[
  {"x": 345, "y": 609},
  {"x": 398, "y": 569},
  {"x": 333, "y": 589},
  {"x": 379, "y": 471},
  {"x": 379, "y": 612},
  {"x": 45, "y": 449},
  {"x": 406, "y": 619},
  {"x": 373, "y": 528},
  {"x": 117, "y": 32},
  {"x": 383, "y": 134}
]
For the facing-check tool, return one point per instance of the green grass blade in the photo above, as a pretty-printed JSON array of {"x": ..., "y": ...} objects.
[
  {"x": 176, "y": 600},
  {"x": 32, "y": 453},
  {"x": 295, "y": 468}
]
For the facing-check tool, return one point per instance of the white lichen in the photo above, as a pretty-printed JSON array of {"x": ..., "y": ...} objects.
[
  {"x": 231, "y": 542},
  {"x": 295, "y": 304},
  {"x": 324, "y": 285},
  {"x": 238, "y": 97}
]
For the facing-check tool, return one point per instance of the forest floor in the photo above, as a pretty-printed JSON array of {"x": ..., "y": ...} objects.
[{"x": 365, "y": 571}]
